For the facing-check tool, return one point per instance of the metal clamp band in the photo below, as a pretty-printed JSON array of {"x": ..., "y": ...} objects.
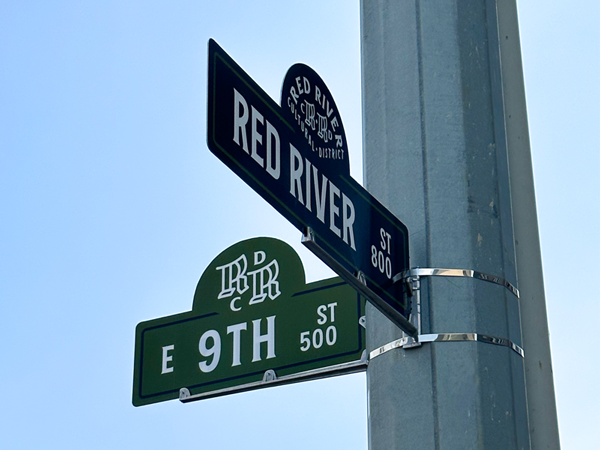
[
  {"x": 424, "y": 272},
  {"x": 447, "y": 337}
]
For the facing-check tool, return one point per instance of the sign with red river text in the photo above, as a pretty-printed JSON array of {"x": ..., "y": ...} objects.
[{"x": 296, "y": 157}]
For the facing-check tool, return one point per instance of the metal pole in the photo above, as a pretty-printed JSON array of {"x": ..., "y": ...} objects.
[
  {"x": 436, "y": 155},
  {"x": 541, "y": 402}
]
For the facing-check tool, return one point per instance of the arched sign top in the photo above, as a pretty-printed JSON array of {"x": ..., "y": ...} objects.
[
  {"x": 248, "y": 273},
  {"x": 308, "y": 105}
]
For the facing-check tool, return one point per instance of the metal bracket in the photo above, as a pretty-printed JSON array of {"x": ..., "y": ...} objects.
[
  {"x": 438, "y": 272},
  {"x": 363, "y": 322},
  {"x": 269, "y": 375},
  {"x": 360, "y": 276},
  {"x": 413, "y": 283},
  {"x": 270, "y": 378},
  {"x": 357, "y": 281},
  {"x": 184, "y": 393},
  {"x": 413, "y": 286}
]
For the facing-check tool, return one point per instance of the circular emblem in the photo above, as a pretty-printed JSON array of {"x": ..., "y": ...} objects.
[{"x": 309, "y": 106}]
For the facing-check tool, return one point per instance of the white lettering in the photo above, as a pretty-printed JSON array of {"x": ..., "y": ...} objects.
[
  {"x": 323, "y": 132},
  {"x": 233, "y": 277},
  {"x": 166, "y": 358},
  {"x": 296, "y": 168},
  {"x": 331, "y": 307},
  {"x": 299, "y": 85},
  {"x": 258, "y": 338},
  {"x": 308, "y": 186},
  {"x": 214, "y": 351},
  {"x": 306, "y": 85},
  {"x": 256, "y": 136},
  {"x": 232, "y": 304},
  {"x": 309, "y": 111},
  {"x": 339, "y": 142},
  {"x": 333, "y": 209},
  {"x": 264, "y": 282},
  {"x": 305, "y": 340},
  {"x": 273, "y": 154},
  {"x": 348, "y": 221},
  {"x": 293, "y": 94},
  {"x": 317, "y": 338},
  {"x": 259, "y": 257},
  {"x": 331, "y": 335},
  {"x": 320, "y": 194},
  {"x": 321, "y": 312},
  {"x": 240, "y": 119},
  {"x": 236, "y": 279},
  {"x": 329, "y": 110},
  {"x": 334, "y": 124},
  {"x": 236, "y": 330},
  {"x": 385, "y": 240}
]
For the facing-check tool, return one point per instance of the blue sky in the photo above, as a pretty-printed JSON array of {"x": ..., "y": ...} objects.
[{"x": 112, "y": 206}]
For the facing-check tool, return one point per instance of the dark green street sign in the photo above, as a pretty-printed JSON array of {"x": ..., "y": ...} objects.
[
  {"x": 254, "y": 323},
  {"x": 295, "y": 156}
]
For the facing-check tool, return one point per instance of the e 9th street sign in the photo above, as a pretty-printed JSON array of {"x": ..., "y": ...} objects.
[
  {"x": 295, "y": 156},
  {"x": 254, "y": 323}
]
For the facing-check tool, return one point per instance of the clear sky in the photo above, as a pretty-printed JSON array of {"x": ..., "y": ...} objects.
[{"x": 111, "y": 207}]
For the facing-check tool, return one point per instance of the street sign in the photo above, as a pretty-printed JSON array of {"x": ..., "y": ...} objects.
[
  {"x": 275, "y": 151},
  {"x": 254, "y": 323}
]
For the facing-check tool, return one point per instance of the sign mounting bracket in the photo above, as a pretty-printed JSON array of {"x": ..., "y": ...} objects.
[
  {"x": 358, "y": 282},
  {"x": 412, "y": 278}
]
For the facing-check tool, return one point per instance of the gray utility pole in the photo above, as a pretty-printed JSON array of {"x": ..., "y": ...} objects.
[{"x": 444, "y": 127}]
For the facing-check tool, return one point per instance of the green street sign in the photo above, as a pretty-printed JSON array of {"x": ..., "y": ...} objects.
[{"x": 254, "y": 323}]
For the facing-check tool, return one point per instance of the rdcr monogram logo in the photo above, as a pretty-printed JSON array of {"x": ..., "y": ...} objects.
[{"x": 235, "y": 279}]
